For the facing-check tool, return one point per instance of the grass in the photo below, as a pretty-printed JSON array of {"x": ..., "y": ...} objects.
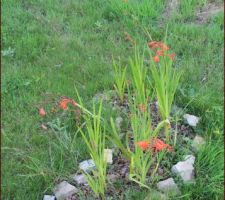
[{"x": 50, "y": 47}]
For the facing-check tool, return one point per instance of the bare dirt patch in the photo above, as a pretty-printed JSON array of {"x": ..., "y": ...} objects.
[
  {"x": 206, "y": 12},
  {"x": 171, "y": 7}
]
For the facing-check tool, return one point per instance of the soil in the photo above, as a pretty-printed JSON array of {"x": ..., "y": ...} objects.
[
  {"x": 206, "y": 12},
  {"x": 171, "y": 7},
  {"x": 119, "y": 170}
]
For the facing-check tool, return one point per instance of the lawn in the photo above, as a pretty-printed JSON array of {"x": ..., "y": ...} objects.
[{"x": 51, "y": 48}]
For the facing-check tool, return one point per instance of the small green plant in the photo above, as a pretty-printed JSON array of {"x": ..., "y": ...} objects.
[
  {"x": 95, "y": 141},
  {"x": 139, "y": 75},
  {"x": 143, "y": 135},
  {"x": 165, "y": 79},
  {"x": 141, "y": 130},
  {"x": 120, "y": 80},
  {"x": 115, "y": 138}
]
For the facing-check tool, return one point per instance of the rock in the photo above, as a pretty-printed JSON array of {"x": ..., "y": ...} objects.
[
  {"x": 108, "y": 155},
  {"x": 87, "y": 165},
  {"x": 119, "y": 121},
  {"x": 64, "y": 190},
  {"x": 197, "y": 143},
  {"x": 191, "y": 120},
  {"x": 168, "y": 186},
  {"x": 189, "y": 159},
  {"x": 49, "y": 197},
  {"x": 185, "y": 170},
  {"x": 79, "y": 179}
]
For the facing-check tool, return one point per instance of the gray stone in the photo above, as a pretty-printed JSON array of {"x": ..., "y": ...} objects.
[
  {"x": 185, "y": 170},
  {"x": 49, "y": 197},
  {"x": 119, "y": 121},
  {"x": 168, "y": 186},
  {"x": 79, "y": 179},
  {"x": 197, "y": 143},
  {"x": 189, "y": 159},
  {"x": 64, "y": 190},
  {"x": 191, "y": 120},
  {"x": 87, "y": 165},
  {"x": 108, "y": 155}
]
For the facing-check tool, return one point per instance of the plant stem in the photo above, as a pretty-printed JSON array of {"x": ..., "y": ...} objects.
[{"x": 166, "y": 129}]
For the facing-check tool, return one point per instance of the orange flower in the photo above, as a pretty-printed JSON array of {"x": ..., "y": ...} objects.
[
  {"x": 143, "y": 144},
  {"x": 64, "y": 102},
  {"x": 159, "y": 145},
  {"x": 153, "y": 45},
  {"x": 164, "y": 47},
  {"x": 171, "y": 56},
  {"x": 142, "y": 108},
  {"x": 159, "y": 53},
  {"x": 42, "y": 112},
  {"x": 156, "y": 59}
]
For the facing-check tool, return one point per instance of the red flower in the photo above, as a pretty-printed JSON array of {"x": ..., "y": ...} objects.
[
  {"x": 171, "y": 56},
  {"x": 143, "y": 144},
  {"x": 156, "y": 59},
  {"x": 64, "y": 102},
  {"x": 42, "y": 112},
  {"x": 156, "y": 145},
  {"x": 159, "y": 53},
  {"x": 159, "y": 145},
  {"x": 164, "y": 47},
  {"x": 154, "y": 44}
]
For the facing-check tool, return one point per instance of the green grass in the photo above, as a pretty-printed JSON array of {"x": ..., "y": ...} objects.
[
  {"x": 209, "y": 169},
  {"x": 57, "y": 45}
]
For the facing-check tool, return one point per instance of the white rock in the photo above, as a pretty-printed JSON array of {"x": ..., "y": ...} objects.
[
  {"x": 119, "y": 121},
  {"x": 185, "y": 170},
  {"x": 64, "y": 190},
  {"x": 168, "y": 186},
  {"x": 49, "y": 197},
  {"x": 191, "y": 119},
  {"x": 80, "y": 180},
  {"x": 197, "y": 143},
  {"x": 87, "y": 165},
  {"x": 108, "y": 155},
  {"x": 189, "y": 159}
]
